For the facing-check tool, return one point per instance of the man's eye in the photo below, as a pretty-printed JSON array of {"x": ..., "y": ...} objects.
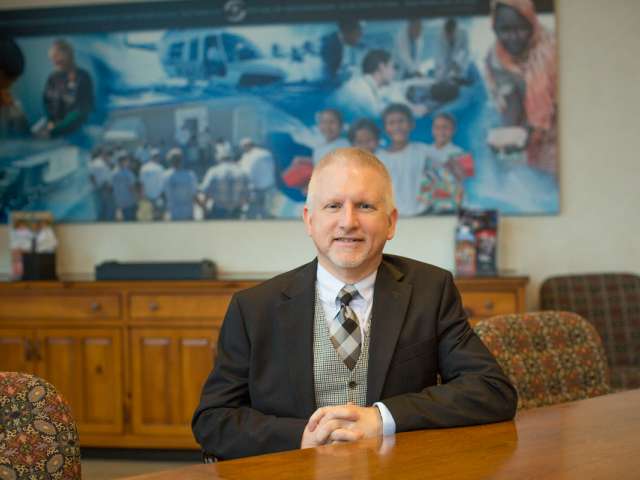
[
  {"x": 332, "y": 206},
  {"x": 367, "y": 206}
]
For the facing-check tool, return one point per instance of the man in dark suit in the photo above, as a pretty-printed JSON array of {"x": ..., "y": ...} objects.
[{"x": 297, "y": 367}]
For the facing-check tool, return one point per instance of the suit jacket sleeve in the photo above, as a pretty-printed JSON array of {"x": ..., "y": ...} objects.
[
  {"x": 474, "y": 388},
  {"x": 225, "y": 424}
]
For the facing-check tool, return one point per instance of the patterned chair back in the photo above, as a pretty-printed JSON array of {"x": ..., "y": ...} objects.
[
  {"x": 611, "y": 302},
  {"x": 38, "y": 436},
  {"x": 551, "y": 357}
]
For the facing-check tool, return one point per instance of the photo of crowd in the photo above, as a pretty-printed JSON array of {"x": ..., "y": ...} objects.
[{"x": 228, "y": 122}]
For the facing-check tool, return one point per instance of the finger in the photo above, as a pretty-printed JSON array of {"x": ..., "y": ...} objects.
[
  {"x": 343, "y": 412},
  {"x": 325, "y": 429},
  {"x": 315, "y": 418},
  {"x": 345, "y": 435}
]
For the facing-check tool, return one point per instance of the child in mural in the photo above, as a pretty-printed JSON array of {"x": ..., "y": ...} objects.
[
  {"x": 447, "y": 166},
  {"x": 365, "y": 134},
  {"x": 68, "y": 93},
  {"x": 405, "y": 160},
  {"x": 330, "y": 126},
  {"x": 522, "y": 70},
  {"x": 13, "y": 122}
]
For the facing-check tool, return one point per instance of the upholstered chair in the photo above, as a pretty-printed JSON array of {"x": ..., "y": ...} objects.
[
  {"x": 551, "y": 357},
  {"x": 38, "y": 436},
  {"x": 611, "y": 302}
]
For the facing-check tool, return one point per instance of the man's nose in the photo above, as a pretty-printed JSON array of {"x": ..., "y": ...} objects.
[{"x": 349, "y": 217}]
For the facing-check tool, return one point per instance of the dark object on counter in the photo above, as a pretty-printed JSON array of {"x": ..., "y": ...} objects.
[
  {"x": 112, "y": 270},
  {"x": 39, "y": 266}
]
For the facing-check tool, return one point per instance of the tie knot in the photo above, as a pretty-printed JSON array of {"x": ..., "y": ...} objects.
[{"x": 346, "y": 294}]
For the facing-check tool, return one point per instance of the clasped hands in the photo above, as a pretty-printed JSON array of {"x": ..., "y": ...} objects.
[{"x": 341, "y": 423}]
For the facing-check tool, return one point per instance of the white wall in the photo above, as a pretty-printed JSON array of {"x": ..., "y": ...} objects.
[{"x": 597, "y": 230}]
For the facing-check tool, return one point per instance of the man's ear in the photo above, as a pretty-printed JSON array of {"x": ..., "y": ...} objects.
[
  {"x": 306, "y": 217},
  {"x": 393, "y": 221}
]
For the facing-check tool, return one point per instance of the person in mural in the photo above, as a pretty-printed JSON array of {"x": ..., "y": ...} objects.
[
  {"x": 452, "y": 53},
  {"x": 365, "y": 134},
  {"x": 409, "y": 46},
  {"x": 259, "y": 165},
  {"x": 522, "y": 76},
  {"x": 365, "y": 94},
  {"x": 152, "y": 178},
  {"x": 124, "y": 188},
  {"x": 180, "y": 188},
  {"x": 13, "y": 122},
  {"x": 339, "y": 50},
  {"x": 226, "y": 185},
  {"x": 405, "y": 160},
  {"x": 442, "y": 190},
  {"x": 330, "y": 125},
  {"x": 68, "y": 93},
  {"x": 101, "y": 175}
]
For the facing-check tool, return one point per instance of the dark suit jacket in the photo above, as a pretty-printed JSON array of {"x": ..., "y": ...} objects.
[
  {"x": 261, "y": 393},
  {"x": 331, "y": 51}
]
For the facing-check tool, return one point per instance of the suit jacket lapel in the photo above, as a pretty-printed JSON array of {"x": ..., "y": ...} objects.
[
  {"x": 390, "y": 303},
  {"x": 296, "y": 316}
]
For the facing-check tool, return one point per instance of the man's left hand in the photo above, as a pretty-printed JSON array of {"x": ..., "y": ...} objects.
[{"x": 366, "y": 420}]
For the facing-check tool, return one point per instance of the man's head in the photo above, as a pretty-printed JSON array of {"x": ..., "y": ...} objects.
[
  {"x": 351, "y": 31},
  {"x": 379, "y": 64},
  {"x": 398, "y": 123},
  {"x": 330, "y": 124},
  {"x": 443, "y": 128},
  {"x": 61, "y": 55},
  {"x": 350, "y": 212},
  {"x": 174, "y": 158},
  {"x": 364, "y": 134},
  {"x": 155, "y": 155},
  {"x": 246, "y": 144}
]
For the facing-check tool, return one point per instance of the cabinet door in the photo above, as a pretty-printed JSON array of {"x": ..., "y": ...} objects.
[
  {"x": 169, "y": 367},
  {"x": 85, "y": 365},
  {"x": 16, "y": 350}
]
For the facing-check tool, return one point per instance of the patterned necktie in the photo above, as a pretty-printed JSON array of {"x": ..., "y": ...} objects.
[{"x": 345, "y": 329}]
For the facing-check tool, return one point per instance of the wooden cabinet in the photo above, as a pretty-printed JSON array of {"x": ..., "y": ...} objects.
[
  {"x": 484, "y": 297},
  {"x": 131, "y": 357},
  {"x": 169, "y": 367}
]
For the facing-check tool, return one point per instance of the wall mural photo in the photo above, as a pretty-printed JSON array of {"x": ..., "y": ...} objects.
[{"x": 224, "y": 117}]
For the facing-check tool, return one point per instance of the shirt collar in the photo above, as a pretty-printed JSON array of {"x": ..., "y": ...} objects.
[{"x": 329, "y": 286}]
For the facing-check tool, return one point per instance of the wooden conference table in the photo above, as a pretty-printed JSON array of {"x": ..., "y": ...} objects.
[{"x": 598, "y": 438}]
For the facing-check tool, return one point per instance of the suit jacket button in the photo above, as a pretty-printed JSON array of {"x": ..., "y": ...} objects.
[{"x": 352, "y": 385}]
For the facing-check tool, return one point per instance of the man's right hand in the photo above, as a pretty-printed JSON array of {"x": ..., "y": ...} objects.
[{"x": 334, "y": 430}]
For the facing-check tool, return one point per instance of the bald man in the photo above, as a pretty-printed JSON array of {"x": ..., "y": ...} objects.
[{"x": 349, "y": 345}]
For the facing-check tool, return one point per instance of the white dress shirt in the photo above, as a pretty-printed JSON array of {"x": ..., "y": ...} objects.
[{"x": 328, "y": 288}]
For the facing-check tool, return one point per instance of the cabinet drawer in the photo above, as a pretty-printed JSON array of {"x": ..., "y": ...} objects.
[
  {"x": 60, "y": 306},
  {"x": 486, "y": 304},
  {"x": 178, "y": 306}
]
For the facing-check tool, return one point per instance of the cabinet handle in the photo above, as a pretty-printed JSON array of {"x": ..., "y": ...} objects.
[
  {"x": 489, "y": 305},
  {"x": 153, "y": 306},
  {"x": 36, "y": 355},
  {"x": 28, "y": 350},
  {"x": 95, "y": 307}
]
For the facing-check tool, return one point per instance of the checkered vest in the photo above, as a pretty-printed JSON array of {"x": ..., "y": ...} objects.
[{"x": 334, "y": 383}]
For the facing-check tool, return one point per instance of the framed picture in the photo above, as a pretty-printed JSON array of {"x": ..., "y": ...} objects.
[{"x": 203, "y": 110}]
